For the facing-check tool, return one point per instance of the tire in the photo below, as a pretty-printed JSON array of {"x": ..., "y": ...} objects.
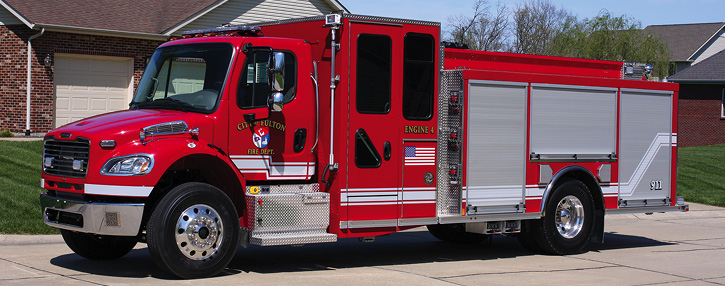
[
  {"x": 194, "y": 231},
  {"x": 456, "y": 233},
  {"x": 567, "y": 224},
  {"x": 98, "y": 247}
]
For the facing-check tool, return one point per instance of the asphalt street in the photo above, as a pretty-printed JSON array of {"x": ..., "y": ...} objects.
[{"x": 672, "y": 248}]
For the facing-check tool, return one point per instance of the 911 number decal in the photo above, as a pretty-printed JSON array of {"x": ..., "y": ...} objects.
[{"x": 655, "y": 185}]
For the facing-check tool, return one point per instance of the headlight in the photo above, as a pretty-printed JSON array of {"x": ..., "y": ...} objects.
[{"x": 132, "y": 165}]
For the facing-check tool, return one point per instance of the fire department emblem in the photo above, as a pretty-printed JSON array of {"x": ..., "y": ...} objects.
[{"x": 261, "y": 137}]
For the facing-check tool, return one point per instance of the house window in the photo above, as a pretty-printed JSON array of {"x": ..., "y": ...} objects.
[{"x": 722, "y": 104}]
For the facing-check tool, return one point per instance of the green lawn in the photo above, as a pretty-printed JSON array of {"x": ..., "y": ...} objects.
[
  {"x": 701, "y": 174},
  {"x": 20, "y": 163},
  {"x": 701, "y": 179}
]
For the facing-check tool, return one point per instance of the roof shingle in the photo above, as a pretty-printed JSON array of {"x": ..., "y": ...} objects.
[
  {"x": 683, "y": 40},
  {"x": 710, "y": 69},
  {"x": 140, "y": 16}
]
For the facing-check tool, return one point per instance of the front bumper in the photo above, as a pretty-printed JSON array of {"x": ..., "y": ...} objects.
[{"x": 121, "y": 219}]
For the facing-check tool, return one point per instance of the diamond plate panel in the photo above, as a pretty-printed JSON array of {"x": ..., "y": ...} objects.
[
  {"x": 288, "y": 214},
  {"x": 449, "y": 186}
]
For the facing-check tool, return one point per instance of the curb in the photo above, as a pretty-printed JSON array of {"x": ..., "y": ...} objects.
[{"x": 20, "y": 239}]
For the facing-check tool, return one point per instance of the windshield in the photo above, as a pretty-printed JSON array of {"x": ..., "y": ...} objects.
[{"x": 184, "y": 77}]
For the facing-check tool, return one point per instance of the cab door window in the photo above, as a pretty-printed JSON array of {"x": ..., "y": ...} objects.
[
  {"x": 254, "y": 90},
  {"x": 374, "y": 66},
  {"x": 418, "y": 76}
]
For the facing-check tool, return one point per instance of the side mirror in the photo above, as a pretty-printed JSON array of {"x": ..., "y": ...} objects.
[
  {"x": 275, "y": 68},
  {"x": 276, "y": 101}
]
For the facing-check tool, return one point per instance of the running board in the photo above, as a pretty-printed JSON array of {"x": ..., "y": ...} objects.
[{"x": 292, "y": 238}]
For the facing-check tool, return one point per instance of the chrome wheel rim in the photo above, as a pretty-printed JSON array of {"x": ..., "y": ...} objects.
[
  {"x": 199, "y": 232},
  {"x": 569, "y": 216}
]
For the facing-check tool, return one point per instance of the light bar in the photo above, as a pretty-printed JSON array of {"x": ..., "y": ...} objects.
[{"x": 241, "y": 30}]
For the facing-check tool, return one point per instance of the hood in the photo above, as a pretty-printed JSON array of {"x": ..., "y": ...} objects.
[{"x": 124, "y": 123}]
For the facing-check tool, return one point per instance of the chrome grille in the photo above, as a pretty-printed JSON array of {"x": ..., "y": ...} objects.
[{"x": 64, "y": 153}]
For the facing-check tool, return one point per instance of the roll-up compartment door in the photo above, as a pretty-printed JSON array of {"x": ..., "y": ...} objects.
[
  {"x": 496, "y": 147},
  {"x": 645, "y": 147}
]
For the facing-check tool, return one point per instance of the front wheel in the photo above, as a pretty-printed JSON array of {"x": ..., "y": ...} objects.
[
  {"x": 193, "y": 231},
  {"x": 98, "y": 247},
  {"x": 567, "y": 224}
]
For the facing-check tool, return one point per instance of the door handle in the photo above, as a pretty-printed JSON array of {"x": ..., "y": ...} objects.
[
  {"x": 386, "y": 150},
  {"x": 300, "y": 139}
]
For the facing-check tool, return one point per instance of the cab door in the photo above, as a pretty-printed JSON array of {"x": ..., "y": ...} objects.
[
  {"x": 276, "y": 145},
  {"x": 373, "y": 185}
]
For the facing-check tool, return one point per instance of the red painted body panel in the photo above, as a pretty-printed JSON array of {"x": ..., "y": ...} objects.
[
  {"x": 390, "y": 192},
  {"x": 124, "y": 127},
  {"x": 495, "y": 61}
]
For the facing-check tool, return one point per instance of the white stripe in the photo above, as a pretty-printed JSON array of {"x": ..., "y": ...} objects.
[
  {"x": 373, "y": 199},
  {"x": 535, "y": 192},
  {"x": 113, "y": 190},
  {"x": 274, "y": 170},
  {"x": 420, "y": 164},
  {"x": 369, "y": 189},
  {"x": 419, "y": 189},
  {"x": 609, "y": 190},
  {"x": 367, "y": 203},
  {"x": 661, "y": 140},
  {"x": 509, "y": 187},
  {"x": 359, "y": 194},
  {"x": 42, "y": 183},
  {"x": 425, "y": 148},
  {"x": 419, "y": 202},
  {"x": 419, "y": 160},
  {"x": 422, "y": 195}
]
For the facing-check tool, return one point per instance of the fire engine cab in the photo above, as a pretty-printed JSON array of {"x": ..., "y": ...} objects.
[{"x": 310, "y": 130}]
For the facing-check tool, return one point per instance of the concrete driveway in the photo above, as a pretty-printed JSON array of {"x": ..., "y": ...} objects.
[{"x": 673, "y": 249}]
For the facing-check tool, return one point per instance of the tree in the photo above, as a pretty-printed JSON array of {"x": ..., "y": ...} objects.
[
  {"x": 540, "y": 28},
  {"x": 614, "y": 38},
  {"x": 482, "y": 31},
  {"x": 536, "y": 23}
]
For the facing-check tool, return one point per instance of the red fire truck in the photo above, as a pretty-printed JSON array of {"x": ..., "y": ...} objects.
[{"x": 310, "y": 130}]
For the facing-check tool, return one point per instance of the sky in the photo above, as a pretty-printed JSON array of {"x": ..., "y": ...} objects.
[{"x": 648, "y": 12}]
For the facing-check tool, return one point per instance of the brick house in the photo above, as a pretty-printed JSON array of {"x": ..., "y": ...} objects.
[
  {"x": 698, "y": 53},
  {"x": 87, "y": 56},
  {"x": 702, "y": 101}
]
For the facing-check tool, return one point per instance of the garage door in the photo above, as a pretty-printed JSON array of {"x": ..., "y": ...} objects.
[{"x": 90, "y": 85}]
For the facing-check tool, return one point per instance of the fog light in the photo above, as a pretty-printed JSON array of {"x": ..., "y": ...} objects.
[
  {"x": 77, "y": 165},
  {"x": 48, "y": 162}
]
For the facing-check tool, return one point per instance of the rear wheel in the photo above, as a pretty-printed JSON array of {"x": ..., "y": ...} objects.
[
  {"x": 456, "y": 233},
  {"x": 98, "y": 247},
  {"x": 567, "y": 224},
  {"x": 193, "y": 231}
]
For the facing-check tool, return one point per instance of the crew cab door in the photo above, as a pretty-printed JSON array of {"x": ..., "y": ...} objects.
[
  {"x": 268, "y": 145},
  {"x": 373, "y": 185}
]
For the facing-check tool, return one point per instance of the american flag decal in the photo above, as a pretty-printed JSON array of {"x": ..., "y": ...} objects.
[{"x": 417, "y": 156}]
